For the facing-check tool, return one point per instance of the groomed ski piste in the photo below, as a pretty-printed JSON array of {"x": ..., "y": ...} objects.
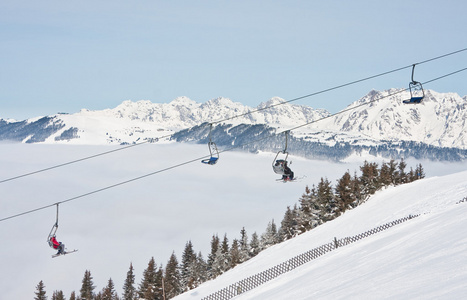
[{"x": 422, "y": 258}]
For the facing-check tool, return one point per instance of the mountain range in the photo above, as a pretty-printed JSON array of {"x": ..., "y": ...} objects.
[{"x": 378, "y": 123}]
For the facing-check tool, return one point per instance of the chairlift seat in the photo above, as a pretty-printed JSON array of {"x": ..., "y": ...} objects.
[{"x": 210, "y": 161}]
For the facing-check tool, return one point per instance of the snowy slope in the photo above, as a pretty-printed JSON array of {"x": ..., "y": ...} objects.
[
  {"x": 157, "y": 215},
  {"x": 424, "y": 258}
]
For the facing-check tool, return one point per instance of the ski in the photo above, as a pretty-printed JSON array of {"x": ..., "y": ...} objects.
[
  {"x": 296, "y": 179},
  {"x": 65, "y": 253}
]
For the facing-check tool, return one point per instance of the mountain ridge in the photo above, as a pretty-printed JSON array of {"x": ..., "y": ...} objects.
[{"x": 439, "y": 121}]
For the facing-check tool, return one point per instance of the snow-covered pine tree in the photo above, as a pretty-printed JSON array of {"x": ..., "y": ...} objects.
[
  {"x": 222, "y": 258},
  {"x": 254, "y": 245},
  {"x": 172, "y": 278},
  {"x": 87, "y": 287},
  {"x": 40, "y": 291},
  {"x": 188, "y": 276},
  {"x": 201, "y": 270},
  {"x": 369, "y": 179},
  {"x": 212, "y": 256},
  {"x": 235, "y": 253},
  {"x": 244, "y": 246},
  {"x": 129, "y": 290},
  {"x": 327, "y": 200},
  {"x": 269, "y": 237},
  {"x": 402, "y": 178},
  {"x": 288, "y": 226},
  {"x": 148, "y": 286}
]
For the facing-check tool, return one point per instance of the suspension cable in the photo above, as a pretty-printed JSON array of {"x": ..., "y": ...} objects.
[
  {"x": 240, "y": 115},
  {"x": 225, "y": 150}
]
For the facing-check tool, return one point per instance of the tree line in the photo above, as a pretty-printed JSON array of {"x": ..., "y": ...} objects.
[{"x": 319, "y": 204}]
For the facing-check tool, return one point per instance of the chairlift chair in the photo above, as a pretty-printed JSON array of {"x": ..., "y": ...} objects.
[
  {"x": 213, "y": 151},
  {"x": 416, "y": 91},
  {"x": 280, "y": 160}
]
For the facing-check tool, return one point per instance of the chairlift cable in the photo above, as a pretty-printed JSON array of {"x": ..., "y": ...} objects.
[
  {"x": 225, "y": 150},
  {"x": 240, "y": 115}
]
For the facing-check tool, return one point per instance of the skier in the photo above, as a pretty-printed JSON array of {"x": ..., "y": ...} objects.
[
  {"x": 288, "y": 173},
  {"x": 57, "y": 245}
]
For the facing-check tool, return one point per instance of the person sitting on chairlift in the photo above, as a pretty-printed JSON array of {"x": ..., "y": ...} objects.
[
  {"x": 287, "y": 172},
  {"x": 57, "y": 245}
]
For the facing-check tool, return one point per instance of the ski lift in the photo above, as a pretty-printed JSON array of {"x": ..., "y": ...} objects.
[
  {"x": 279, "y": 162},
  {"x": 213, "y": 151},
  {"x": 52, "y": 241},
  {"x": 416, "y": 91},
  {"x": 53, "y": 231}
]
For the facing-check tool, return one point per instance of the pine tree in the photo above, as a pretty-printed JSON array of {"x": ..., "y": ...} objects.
[
  {"x": 58, "y": 295},
  {"x": 188, "y": 268},
  {"x": 288, "y": 227},
  {"x": 108, "y": 293},
  {"x": 87, "y": 286},
  {"x": 327, "y": 200},
  {"x": 172, "y": 278},
  {"x": 244, "y": 246},
  {"x": 254, "y": 245},
  {"x": 402, "y": 178},
  {"x": 212, "y": 256},
  {"x": 40, "y": 291},
  {"x": 129, "y": 291},
  {"x": 369, "y": 178},
  {"x": 269, "y": 237},
  {"x": 393, "y": 171},
  {"x": 419, "y": 172},
  {"x": 344, "y": 191},
  {"x": 73, "y": 296},
  {"x": 235, "y": 254},
  {"x": 201, "y": 270},
  {"x": 385, "y": 174},
  {"x": 148, "y": 288}
]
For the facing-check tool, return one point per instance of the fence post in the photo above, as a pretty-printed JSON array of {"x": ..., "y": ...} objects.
[{"x": 336, "y": 244}]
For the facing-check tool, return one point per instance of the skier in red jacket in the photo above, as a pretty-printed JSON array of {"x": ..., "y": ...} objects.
[{"x": 57, "y": 245}]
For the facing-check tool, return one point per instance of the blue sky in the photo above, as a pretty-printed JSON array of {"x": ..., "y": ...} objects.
[{"x": 61, "y": 56}]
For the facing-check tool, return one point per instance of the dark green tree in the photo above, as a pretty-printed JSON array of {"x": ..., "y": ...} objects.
[
  {"x": 129, "y": 290},
  {"x": 244, "y": 246},
  {"x": 40, "y": 292},
  {"x": 172, "y": 285},
  {"x": 87, "y": 287},
  {"x": 109, "y": 293},
  {"x": 148, "y": 287},
  {"x": 235, "y": 256},
  {"x": 58, "y": 295},
  {"x": 73, "y": 296},
  {"x": 402, "y": 178}
]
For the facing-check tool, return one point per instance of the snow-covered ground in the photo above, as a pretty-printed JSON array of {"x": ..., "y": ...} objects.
[{"x": 158, "y": 214}]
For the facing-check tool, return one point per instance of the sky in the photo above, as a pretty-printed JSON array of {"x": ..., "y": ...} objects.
[{"x": 60, "y": 56}]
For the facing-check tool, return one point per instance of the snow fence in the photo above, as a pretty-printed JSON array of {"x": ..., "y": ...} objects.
[{"x": 254, "y": 281}]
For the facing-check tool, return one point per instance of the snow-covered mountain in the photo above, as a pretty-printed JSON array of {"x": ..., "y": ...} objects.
[
  {"x": 379, "y": 118},
  {"x": 440, "y": 120}
]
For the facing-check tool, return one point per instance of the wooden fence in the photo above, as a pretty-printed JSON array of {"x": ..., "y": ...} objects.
[{"x": 254, "y": 281}]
